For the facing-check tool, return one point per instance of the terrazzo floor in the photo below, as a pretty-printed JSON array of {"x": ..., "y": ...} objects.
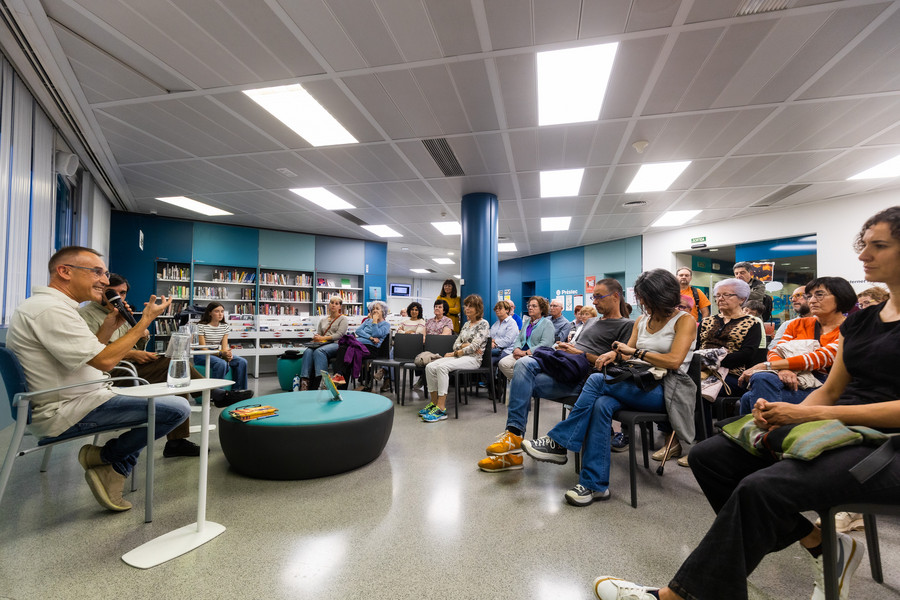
[{"x": 421, "y": 521}]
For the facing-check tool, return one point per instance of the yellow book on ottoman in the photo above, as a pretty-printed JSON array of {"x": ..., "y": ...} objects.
[{"x": 249, "y": 413}]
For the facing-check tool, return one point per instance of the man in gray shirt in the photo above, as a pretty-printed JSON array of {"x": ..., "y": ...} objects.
[
  {"x": 529, "y": 380},
  {"x": 561, "y": 325}
]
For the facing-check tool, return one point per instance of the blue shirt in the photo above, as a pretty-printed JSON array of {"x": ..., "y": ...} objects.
[
  {"x": 504, "y": 333},
  {"x": 517, "y": 319},
  {"x": 370, "y": 329}
]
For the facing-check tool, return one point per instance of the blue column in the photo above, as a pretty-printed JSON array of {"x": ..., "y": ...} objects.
[{"x": 478, "y": 261}]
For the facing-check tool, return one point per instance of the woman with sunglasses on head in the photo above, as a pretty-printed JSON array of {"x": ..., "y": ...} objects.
[
  {"x": 776, "y": 379},
  {"x": 872, "y": 296}
]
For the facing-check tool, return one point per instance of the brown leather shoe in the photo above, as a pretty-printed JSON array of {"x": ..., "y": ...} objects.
[
  {"x": 107, "y": 485},
  {"x": 304, "y": 384},
  {"x": 89, "y": 456}
]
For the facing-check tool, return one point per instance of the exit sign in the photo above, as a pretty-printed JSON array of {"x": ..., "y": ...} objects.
[{"x": 698, "y": 239}]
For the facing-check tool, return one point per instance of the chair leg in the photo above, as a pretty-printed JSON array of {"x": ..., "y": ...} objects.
[
  {"x": 493, "y": 391},
  {"x": 632, "y": 466},
  {"x": 45, "y": 462},
  {"x": 829, "y": 555},
  {"x": 537, "y": 415},
  {"x": 874, "y": 549},
  {"x": 14, "y": 444},
  {"x": 645, "y": 444}
]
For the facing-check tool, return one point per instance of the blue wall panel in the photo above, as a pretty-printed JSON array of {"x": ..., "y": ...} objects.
[
  {"x": 340, "y": 255},
  {"x": 226, "y": 245},
  {"x": 376, "y": 269},
  {"x": 285, "y": 250}
]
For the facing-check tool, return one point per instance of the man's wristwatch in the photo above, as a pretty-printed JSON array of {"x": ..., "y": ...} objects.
[{"x": 768, "y": 365}]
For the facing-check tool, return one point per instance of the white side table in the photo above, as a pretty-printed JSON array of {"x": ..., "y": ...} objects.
[{"x": 182, "y": 540}]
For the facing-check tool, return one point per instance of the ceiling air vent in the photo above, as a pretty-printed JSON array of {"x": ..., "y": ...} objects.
[
  {"x": 443, "y": 155},
  {"x": 780, "y": 195},
  {"x": 755, "y": 7},
  {"x": 353, "y": 219}
]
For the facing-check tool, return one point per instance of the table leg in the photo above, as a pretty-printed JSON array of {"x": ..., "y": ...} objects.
[{"x": 148, "y": 485}]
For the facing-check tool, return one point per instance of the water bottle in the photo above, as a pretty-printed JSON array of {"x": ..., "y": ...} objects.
[
  {"x": 179, "y": 373},
  {"x": 179, "y": 356}
]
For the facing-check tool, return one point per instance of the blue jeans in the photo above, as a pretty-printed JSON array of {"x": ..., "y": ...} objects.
[
  {"x": 589, "y": 424},
  {"x": 767, "y": 385},
  {"x": 529, "y": 380},
  {"x": 122, "y": 452},
  {"x": 316, "y": 360},
  {"x": 218, "y": 366}
]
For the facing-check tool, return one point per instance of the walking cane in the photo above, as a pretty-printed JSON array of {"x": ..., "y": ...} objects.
[{"x": 662, "y": 466}]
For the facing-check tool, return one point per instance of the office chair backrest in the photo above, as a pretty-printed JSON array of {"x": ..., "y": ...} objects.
[
  {"x": 13, "y": 376},
  {"x": 486, "y": 355},
  {"x": 408, "y": 345},
  {"x": 439, "y": 344}
]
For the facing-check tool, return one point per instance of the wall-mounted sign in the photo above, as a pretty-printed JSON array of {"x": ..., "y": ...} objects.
[{"x": 697, "y": 240}]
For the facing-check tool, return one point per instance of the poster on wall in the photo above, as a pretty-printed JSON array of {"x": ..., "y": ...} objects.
[
  {"x": 589, "y": 283},
  {"x": 579, "y": 300},
  {"x": 507, "y": 295},
  {"x": 764, "y": 271}
]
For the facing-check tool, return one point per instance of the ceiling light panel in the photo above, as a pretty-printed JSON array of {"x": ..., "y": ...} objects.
[
  {"x": 889, "y": 168},
  {"x": 507, "y": 247},
  {"x": 564, "y": 182},
  {"x": 382, "y": 231},
  {"x": 673, "y": 218},
  {"x": 296, "y": 108},
  {"x": 448, "y": 227},
  {"x": 555, "y": 223},
  {"x": 422, "y": 271},
  {"x": 443, "y": 261},
  {"x": 195, "y": 206},
  {"x": 656, "y": 177},
  {"x": 322, "y": 197},
  {"x": 572, "y": 83}
]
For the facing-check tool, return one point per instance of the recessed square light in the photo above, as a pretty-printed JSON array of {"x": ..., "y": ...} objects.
[
  {"x": 193, "y": 205},
  {"x": 420, "y": 271},
  {"x": 322, "y": 197},
  {"x": 443, "y": 261},
  {"x": 506, "y": 247},
  {"x": 889, "y": 168},
  {"x": 656, "y": 177},
  {"x": 293, "y": 106},
  {"x": 572, "y": 83},
  {"x": 555, "y": 223},
  {"x": 382, "y": 230},
  {"x": 448, "y": 227},
  {"x": 674, "y": 218},
  {"x": 564, "y": 182}
]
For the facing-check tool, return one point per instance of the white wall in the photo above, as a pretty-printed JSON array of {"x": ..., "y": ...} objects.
[
  {"x": 424, "y": 291},
  {"x": 835, "y": 222}
]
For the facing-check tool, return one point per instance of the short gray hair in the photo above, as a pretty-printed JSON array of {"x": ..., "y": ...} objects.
[
  {"x": 740, "y": 287},
  {"x": 743, "y": 265},
  {"x": 384, "y": 307}
]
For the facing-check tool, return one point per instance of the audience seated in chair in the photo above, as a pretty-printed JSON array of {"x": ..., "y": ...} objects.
[
  {"x": 529, "y": 380},
  {"x": 330, "y": 329},
  {"x": 369, "y": 335},
  {"x": 504, "y": 331},
  {"x": 561, "y": 325},
  {"x": 55, "y": 347},
  {"x": 662, "y": 338},
  {"x": 537, "y": 331},
  {"x": 759, "y": 501},
  {"x": 803, "y": 356},
  {"x": 467, "y": 354}
]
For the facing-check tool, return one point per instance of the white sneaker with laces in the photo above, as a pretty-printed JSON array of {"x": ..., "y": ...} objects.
[
  {"x": 849, "y": 555},
  {"x": 613, "y": 588}
]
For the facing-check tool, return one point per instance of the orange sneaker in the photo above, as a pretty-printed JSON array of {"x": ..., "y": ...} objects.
[
  {"x": 496, "y": 464},
  {"x": 507, "y": 443}
]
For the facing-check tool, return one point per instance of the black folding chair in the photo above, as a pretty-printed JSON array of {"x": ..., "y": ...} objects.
[
  {"x": 439, "y": 344},
  {"x": 406, "y": 347},
  {"x": 485, "y": 369}
]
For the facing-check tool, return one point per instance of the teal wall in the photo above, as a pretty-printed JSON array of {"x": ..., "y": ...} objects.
[{"x": 567, "y": 269}]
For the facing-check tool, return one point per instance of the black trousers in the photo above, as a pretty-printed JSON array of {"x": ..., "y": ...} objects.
[{"x": 758, "y": 504}]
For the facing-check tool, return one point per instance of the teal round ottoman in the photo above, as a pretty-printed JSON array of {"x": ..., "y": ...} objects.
[
  {"x": 288, "y": 368},
  {"x": 312, "y": 435}
]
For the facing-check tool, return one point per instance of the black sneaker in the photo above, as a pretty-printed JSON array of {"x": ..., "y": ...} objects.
[
  {"x": 581, "y": 496},
  {"x": 181, "y": 447},
  {"x": 546, "y": 450},
  {"x": 223, "y": 399}
]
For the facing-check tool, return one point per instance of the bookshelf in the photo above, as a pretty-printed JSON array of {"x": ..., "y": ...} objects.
[
  {"x": 348, "y": 287},
  {"x": 285, "y": 293},
  {"x": 173, "y": 279},
  {"x": 233, "y": 287}
]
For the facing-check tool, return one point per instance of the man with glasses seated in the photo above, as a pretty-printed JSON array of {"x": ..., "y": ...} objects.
[
  {"x": 528, "y": 379},
  {"x": 801, "y": 309},
  {"x": 56, "y": 348}
]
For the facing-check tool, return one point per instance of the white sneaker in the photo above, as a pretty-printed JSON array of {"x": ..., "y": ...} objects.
[
  {"x": 849, "y": 555},
  {"x": 613, "y": 588},
  {"x": 846, "y": 521}
]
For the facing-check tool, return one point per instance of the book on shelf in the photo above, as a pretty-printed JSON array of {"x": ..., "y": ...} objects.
[
  {"x": 345, "y": 282},
  {"x": 331, "y": 283},
  {"x": 321, "y": 282}
]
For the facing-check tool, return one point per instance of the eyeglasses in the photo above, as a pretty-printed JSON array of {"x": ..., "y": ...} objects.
[
  {"x": 819, "y": 296},
  {"x": 97, "y": 271},
  {"x": 724, "y": 296},
  {"x": 601, "y": 297}
]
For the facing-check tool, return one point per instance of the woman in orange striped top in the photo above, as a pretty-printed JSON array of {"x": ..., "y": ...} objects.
[{"x": 791, "y": 374}]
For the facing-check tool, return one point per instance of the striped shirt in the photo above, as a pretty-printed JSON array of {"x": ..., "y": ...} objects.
[
  {"x": 819, "y": 359},
  {"x": 212, "y": 336}
]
